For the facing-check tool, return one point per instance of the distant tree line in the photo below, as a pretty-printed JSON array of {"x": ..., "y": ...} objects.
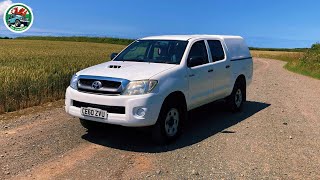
[
  {"x": 5, "y": 37},
  {"x": 108, "y": 40},
  {"x": 280, "y": 49}
]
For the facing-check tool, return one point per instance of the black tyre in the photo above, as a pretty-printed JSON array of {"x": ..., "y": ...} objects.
[
  {"x": 17, "y": 23},
  {"x": 170, "y": 122},
  {"x": 237, "y": 97}
]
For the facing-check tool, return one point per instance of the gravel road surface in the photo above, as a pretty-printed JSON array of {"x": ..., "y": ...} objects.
[{"x": 277, "y": 136}]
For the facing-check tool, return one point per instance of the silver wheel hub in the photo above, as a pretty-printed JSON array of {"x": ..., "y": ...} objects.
[
  {"x": 172, "y": 122},
  {"x": 238, "y": 98}
]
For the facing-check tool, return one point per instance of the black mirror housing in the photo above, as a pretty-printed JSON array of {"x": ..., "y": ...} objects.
[{"x": 113, "y": 55}]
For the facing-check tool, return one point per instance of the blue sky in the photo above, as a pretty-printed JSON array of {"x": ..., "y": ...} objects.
[{"x": 285, "y": 23}]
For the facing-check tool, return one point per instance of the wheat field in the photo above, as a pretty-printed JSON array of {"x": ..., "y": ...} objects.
[
  {"x": 280, "y": 55},
  {"x": 35, "y": 72}
]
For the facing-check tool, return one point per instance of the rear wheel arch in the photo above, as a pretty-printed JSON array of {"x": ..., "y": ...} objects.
[
  {"x": 242, "y": 80},
  {"x": 238, "y": 95}
]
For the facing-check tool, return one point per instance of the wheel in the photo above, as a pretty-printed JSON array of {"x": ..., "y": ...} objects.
[
  {"x": 237, "y": 97},
  {"x": 88, "y": 124},
  {"x": 17, "y": 23},
  {"x": 170, "y": 122}
]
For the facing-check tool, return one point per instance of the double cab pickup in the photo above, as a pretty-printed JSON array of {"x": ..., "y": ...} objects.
[{"x": 156, "y": 80}]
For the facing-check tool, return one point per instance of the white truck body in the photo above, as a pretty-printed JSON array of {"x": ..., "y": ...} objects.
[{"x": 199, "y": 85}]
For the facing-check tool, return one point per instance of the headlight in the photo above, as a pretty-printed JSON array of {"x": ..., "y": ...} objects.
[
  {"x": 74, "y": 82},
  {"x": 140, "y": 87}
]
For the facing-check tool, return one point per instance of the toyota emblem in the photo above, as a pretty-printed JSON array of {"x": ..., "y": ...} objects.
[{"x": 96, "y": 85}]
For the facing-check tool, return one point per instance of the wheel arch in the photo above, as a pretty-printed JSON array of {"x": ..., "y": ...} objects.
[
  {"x": 176, "y": 97},
  {"x": 159, "y": 132},
  {"x": 242, "y": 79}
]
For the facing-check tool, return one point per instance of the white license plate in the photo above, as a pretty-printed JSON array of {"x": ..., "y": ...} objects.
[{"x": 93, "y": 112}]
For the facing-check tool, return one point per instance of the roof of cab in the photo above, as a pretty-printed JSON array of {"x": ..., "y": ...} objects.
[{"x": 189, "y": 37}]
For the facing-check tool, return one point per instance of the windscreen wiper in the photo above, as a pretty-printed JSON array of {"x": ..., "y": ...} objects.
[
  {"x": 135, "y": 60},
  {"x": 166, "y": 62}
]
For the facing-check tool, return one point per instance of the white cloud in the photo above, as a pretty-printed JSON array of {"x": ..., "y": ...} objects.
[{"x": 4, "y": 5}]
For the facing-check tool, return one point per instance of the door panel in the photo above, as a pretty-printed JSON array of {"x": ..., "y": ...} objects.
[
  {"x": 200, "y": 77},
  {"x": 200, "y": 85}
]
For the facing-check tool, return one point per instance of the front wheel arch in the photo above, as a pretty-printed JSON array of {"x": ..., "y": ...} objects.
[
  {"x": 177, "y": 96},
  {"x": 173, "y": 100}
]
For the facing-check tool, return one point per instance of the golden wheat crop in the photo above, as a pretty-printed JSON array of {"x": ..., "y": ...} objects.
[
  {"x": 280, "y": 55},
  {"x": 35, "y": 72}
]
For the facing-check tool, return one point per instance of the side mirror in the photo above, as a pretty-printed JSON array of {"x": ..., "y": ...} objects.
[
  {"x": 195, "y": 61},
  {"x": 113, "y": 55}
]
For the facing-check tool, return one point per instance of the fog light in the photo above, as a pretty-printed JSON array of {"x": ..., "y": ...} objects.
[{"x": 141, "y": 112}]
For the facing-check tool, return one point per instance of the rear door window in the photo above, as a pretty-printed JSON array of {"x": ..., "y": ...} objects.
[{"x": 216, "y": 50}]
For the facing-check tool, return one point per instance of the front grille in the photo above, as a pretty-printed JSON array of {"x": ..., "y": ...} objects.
[
  {"x": 105, "y": 83},
  {"x": 109, "y": 109},
  {"x": 101, "y": 85}
]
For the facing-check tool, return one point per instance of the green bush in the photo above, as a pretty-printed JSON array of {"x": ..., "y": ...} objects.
[
  {"x": 312, "y": 56},
  {"x": 309, "y": 64}
]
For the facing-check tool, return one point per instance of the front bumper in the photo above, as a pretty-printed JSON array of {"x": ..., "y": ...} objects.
[{"x": 151, "y": 103}]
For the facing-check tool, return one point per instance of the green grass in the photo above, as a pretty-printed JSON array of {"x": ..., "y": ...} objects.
[
  {"x": 80, "y": 39},
  {"x": 36, "y": 72}
]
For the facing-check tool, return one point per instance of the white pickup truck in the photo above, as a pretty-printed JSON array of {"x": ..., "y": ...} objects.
[{"x": 156, "y": 80}]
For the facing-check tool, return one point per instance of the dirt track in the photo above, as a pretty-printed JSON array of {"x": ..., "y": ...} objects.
[{"x": 277, "y": 136}]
